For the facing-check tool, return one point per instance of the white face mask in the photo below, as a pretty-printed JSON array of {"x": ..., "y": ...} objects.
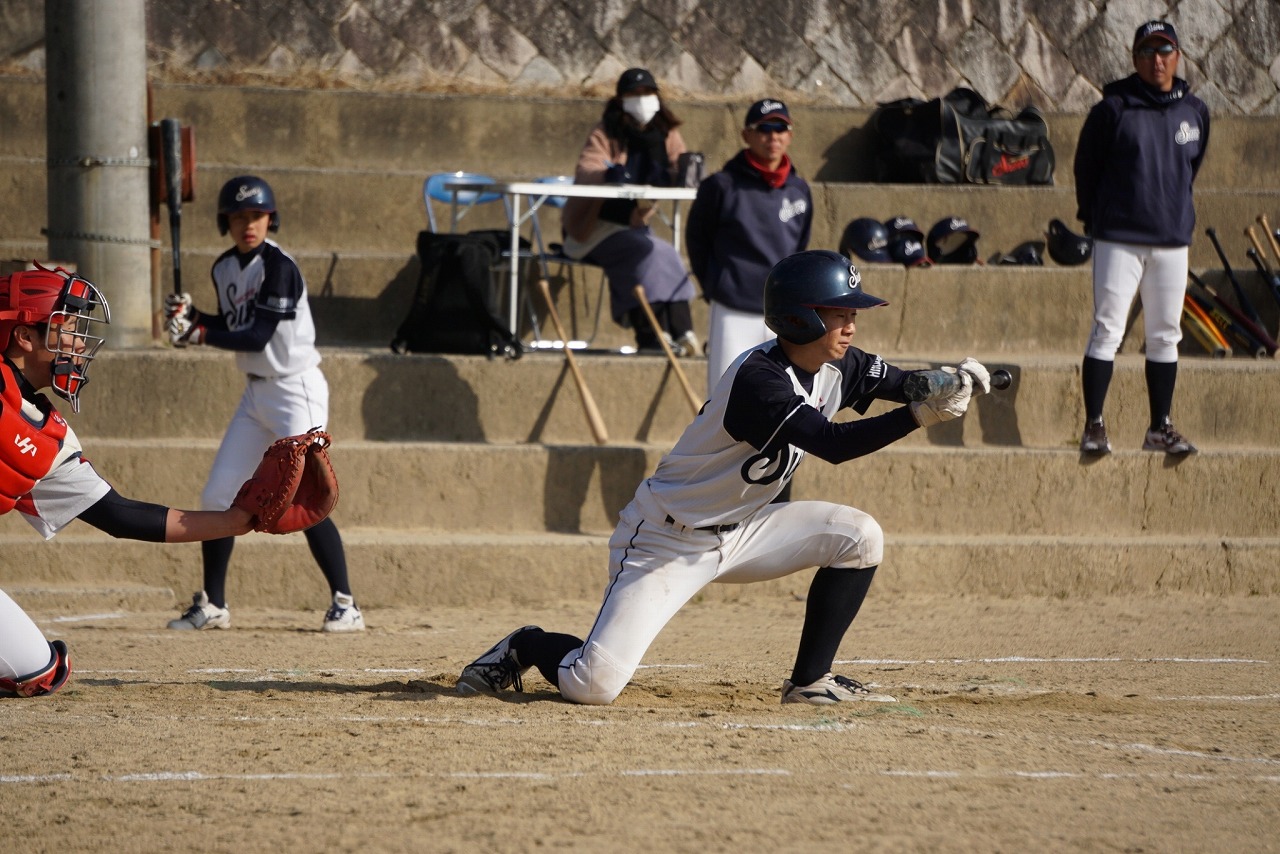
[{"x": 642, "y": 109}]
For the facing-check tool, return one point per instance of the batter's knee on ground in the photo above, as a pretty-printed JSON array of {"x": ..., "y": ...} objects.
[
  {"x": 864, "y": 546},
  {"x": 591, "y": 677}
]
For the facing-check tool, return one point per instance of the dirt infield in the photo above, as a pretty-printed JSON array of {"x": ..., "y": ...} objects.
[{"x": 1105, "y": 725}]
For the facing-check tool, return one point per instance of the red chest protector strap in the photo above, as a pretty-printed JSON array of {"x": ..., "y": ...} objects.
[{"x": 27, "y": 448}]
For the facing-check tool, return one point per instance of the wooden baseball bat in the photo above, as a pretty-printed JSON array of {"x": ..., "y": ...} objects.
[
  {"x": 694, "y": 403},
  {"x": 1239, "y": 316},
  {"x": 1271, "y": 235},
  {"x": 1245, "y": 341},
  {"x": 171, "y": 142},
  {"x": 1202, "y": 336},
  {"x": 1245, "y": 303},
  {"x": 588, "y": 402}
]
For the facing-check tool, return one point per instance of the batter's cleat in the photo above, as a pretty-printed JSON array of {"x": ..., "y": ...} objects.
[
  {"x": 831, "y": 689},
  {"x": 496, "y": 670},
  {"x": 1165, "y": 438},
  {"x": 1095, "y": 441},
  {"x": 202, "y": 615},
  {"x": 53, "y": 677},
  {"x": 343, "y": 615}
]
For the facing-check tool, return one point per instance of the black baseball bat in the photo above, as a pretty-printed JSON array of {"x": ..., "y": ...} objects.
[
  {"x": 920, "y": 386},
  {"x": 1239, "y": 316},
  {"x": 171, "y": 142},
  {"x": 1245, "y": 304}
]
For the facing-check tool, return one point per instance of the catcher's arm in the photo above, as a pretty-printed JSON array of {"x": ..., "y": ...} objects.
[{"x": 193, "y": 526}]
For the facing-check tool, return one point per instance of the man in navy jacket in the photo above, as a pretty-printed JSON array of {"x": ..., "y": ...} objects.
[
  {"x": 1139, "y": 151},
  {"x": 746, "y": 217}
]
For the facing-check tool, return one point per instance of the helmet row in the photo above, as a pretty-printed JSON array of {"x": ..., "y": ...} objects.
[{"x": 951, "y": 240}]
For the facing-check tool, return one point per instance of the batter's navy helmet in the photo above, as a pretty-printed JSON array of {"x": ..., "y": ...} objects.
[
  {"x": 246, "y": 193},
  {"x": 867, "y": 239},
  {"x": 800, "y": 284},
  {"x": 1065, "y": 247},
  {"x": 62, "y": 300}
]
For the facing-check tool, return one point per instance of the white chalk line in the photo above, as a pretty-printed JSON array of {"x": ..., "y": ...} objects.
[
  {"x": 1078, "y": 775},
  {"x": 201, "y": 776},
  {"x": 1021, "y": 659}
]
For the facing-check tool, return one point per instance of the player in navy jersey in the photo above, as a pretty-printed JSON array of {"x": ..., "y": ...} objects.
[
  {"x": 705, "y": 515},
  {"x": 264, "y": 317}
]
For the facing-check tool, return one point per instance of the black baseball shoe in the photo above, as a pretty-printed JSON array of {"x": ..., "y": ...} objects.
[
  {"x": 831, "y": 689},
  {"x": 1095, "y": 441},
  {"x": 496, "y": 670},
  {"x": 1165, "y": 438}
]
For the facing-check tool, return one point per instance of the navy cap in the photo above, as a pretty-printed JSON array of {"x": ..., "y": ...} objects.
[
  {"x": 1155, "y": 30},
  {"x": 636, "y": 78},
  {"x": 767, "y": 110}
]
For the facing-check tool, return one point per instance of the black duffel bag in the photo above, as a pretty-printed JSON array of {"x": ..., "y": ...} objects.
[{"x": 960, "y": 138}]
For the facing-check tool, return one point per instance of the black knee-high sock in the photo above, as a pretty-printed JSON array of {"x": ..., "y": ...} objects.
[
  {"x": 217, "y": 557},
  {"x": 1161, "y": 378},
  {"x": 544, "y": 650},
  {"x": 834, "y": 599},
  {"x": 1095, "y": 376},
  {"x": 326, "y": 547}
]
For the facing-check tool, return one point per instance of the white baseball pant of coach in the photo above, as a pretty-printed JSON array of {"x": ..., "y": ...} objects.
[
  {"x": 656, "y": 566},
  {"x": 1121, "y": 270}
]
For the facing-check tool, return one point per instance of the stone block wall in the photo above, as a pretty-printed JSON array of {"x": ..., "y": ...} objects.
[{"x": 1053, "y": 53}]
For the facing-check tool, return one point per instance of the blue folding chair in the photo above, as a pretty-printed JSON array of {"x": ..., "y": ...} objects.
[{"x": 438, "y": 188}]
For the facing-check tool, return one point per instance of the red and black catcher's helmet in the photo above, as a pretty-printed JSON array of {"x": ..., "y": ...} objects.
[
  {"x": 800, "y": 284},
  {"x": 246, "y": 193},
  {"x": 65, "y": 302},
  {"x": 1065, "y": 247},
  {"x": 866, "y": 239}
]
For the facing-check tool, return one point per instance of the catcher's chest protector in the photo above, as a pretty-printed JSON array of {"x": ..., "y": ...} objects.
[{"x": 28, "y": 447}]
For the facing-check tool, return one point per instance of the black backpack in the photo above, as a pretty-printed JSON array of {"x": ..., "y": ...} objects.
[
  {"x": 960, "y": 138},
  {"x": 456, "y": 305}
]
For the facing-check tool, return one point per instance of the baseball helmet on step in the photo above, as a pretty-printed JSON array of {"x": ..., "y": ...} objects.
[
  {"x": 952, "y": 241},
  {"x": 1065, "y": 247},
  {"x": 867, "y": 239}
]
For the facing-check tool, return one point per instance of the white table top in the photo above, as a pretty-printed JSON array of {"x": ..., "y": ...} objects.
[{"x": 582, "y": 191}]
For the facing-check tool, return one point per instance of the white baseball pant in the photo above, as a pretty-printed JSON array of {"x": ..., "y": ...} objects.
[
  {"x": 23, "y": 647},
  {"x": 1159, "y": 274},
  {"x": 655, "y": 567}
]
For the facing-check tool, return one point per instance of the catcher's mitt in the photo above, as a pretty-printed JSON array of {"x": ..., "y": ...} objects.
[{"x": 294, "y": 486}]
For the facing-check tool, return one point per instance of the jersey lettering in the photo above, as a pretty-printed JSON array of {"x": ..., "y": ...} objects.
[
  {"x": 767, "y": 466},
  {"x": 24, "y": 446}
]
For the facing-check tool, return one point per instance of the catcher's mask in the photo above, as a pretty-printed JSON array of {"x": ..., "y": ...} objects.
[{"x": 65, "y": 305}]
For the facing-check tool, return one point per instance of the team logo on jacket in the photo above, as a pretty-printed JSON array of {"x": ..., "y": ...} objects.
[
  {"x": 791, "y": 210},
  {"x": 1186, "y": 133}
]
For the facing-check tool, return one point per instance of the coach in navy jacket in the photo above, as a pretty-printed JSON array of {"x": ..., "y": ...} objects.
[
  {"x": 1138, "y": 154},
  {"x": 746, "y": 218}
]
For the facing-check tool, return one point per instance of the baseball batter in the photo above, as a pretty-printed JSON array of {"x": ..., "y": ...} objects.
[
  {"x": 705, "y": 514},
  {"x": 48, "y": 320},
  {"x": 264, "y": 317}
]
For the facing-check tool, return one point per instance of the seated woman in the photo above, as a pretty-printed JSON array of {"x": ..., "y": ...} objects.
[{"x": 635, "y": 142}]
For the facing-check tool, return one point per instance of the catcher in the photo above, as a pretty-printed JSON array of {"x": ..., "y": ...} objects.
[{"x": 48, "y": 320}]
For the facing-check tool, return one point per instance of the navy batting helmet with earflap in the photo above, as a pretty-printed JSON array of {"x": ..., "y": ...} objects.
[
  {"x": 246, "y": 193},
  {"x": 1065, "y": 247},
  {"x": 906, "y": 241},
  {"x": 866, "y": 239},
  {"x": 802, "y": 283},
  {"x": 952, "y": 241},
  {"x": 1027, "y": 254}
]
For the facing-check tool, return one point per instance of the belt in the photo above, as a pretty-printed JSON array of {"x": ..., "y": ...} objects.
[{"x": 714, "y": 529}]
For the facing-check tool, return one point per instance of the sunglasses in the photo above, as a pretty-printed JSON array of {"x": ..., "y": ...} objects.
[
  {"x": 771, "y": 127},
  {"x": 1148, "y": 52}
]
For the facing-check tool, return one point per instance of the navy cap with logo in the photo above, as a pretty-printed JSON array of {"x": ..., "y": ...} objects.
[
  {"x": 1155, "y": 30},
  {"x": 636, "y": 78},
  {"x": 767, "y": 110}
]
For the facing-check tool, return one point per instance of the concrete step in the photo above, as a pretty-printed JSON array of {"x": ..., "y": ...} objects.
[
  {"x": 378, "y": 395},
  {"x": 87, "y": 574},
  {"x": 488, "y": 489}
]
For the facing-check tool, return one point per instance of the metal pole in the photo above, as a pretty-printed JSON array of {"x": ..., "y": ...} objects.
[{"x": 95, "y": 100}]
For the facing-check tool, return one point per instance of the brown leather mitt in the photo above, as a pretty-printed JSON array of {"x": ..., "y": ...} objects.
[{"x": 294, "y": 486}]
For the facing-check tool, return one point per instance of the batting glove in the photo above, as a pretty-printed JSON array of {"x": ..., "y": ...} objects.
[
  {"x": 178, "y": 305},
  {"x": 183, "y": 331},
  {"x": 981, "y": 376},
  {"x": 930, "y": 412}
]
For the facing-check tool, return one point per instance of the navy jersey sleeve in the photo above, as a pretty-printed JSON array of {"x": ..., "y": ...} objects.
[
  {"x": 282, "y": 286},
  {"x": 1092, "y": 150},
  {"x": 700, "y": 229}
]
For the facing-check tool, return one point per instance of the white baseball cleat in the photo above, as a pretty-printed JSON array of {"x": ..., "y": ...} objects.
[
  {"x": 831, "y": 689},
  {"x": 343, "y": 615},
  {"x": 202, "y": 615}
]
